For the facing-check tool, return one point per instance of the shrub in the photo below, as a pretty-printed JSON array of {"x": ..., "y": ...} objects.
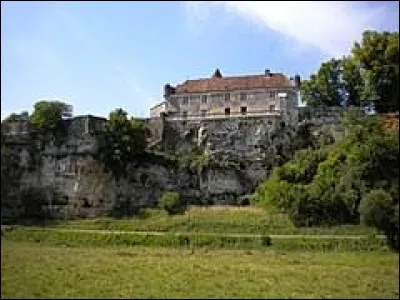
[
  {"x": 377, "y": 209},
  {"x": 171, "y": 202}
]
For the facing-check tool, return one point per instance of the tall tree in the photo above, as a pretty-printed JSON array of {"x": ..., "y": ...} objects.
[
  {"x": 352, "y": 81},
  {"x": 325, "y": 87},
  {"x": 369, "y": 74},
  {"x": 378, "y": 58},
  {"x": 125, "y": 140}
]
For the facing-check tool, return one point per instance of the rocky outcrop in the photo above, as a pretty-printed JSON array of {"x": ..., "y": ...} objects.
[{"x": 71, "y": 181}]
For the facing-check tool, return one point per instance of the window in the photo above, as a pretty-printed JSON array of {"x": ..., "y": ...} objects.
[
  {"x": 272, "y": 94},
  {"x": 272, "y": 107},
  {"x": 185, "y": 100},
  {"x": 227, "y": 97},
  {"x": 194, "y": 99},
  {"x": 243, "y": 110},
  {"x": 216, "y": 96},
  {"x": 203, "y": 113},
  {"x": 204, "y": 99},
  {"x": 184, "y": 114},
  {"x": 227, "y": 111},
  {"x": 243, "y": 96}
]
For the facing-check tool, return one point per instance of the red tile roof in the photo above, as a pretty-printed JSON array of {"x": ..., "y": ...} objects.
[{"x": 274, "y": 80}]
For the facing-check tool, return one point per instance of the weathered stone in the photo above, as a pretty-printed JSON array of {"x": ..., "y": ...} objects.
[{"x": 74, "y": 182}]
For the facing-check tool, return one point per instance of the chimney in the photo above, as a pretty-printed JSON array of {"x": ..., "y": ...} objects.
[
  {"x": 267, "y": 72},
  {"x": 168, "y": 90},
  {"x": 297, "y": 81},
  {"x": 217, "y": 74}
]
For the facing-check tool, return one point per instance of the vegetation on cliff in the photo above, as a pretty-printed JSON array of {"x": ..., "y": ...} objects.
[
  {"x": 325, "y": 186},
  {"x": 124, "y": 141}
]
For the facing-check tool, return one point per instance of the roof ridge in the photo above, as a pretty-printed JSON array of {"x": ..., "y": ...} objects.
[{"x": 237, "y": 76}]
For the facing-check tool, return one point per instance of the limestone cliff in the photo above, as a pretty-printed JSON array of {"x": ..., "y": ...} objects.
[{"x": 70, "y": 180}]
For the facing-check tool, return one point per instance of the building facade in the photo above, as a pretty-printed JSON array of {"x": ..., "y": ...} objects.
[{"x": 223, "y": 97}]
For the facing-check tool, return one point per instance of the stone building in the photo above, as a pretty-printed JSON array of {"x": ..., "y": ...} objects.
[{"x": 234, "y": 96}]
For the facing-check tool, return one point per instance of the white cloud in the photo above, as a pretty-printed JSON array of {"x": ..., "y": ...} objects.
[{"x": 329, "y": 26}]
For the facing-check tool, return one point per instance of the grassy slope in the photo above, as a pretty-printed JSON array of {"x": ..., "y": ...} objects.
[
  {"x": 213, "y": 219},
  {"x": 30, "y": 270}
]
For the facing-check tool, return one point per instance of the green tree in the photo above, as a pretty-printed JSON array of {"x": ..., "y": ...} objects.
[
  {"x": 46, "y": 119},
  {"x": 378, "y": 58},
  {"x": 325, "y": 87},
  {"x": 352, "y": 81},
  {"x": 369, "y": 74},
  {"x": 125, "y": 140},
  {"x": 325, "y": 186},
  {"x": 171, "y": 202}
]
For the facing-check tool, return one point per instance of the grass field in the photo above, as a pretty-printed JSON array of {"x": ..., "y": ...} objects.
[
  {"x": 214, "y": 252},
  {"x": 215, "y": 219},
  {"x": 34, "y": 270}
]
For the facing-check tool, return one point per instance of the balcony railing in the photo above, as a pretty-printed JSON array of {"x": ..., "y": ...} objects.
[{"x": 212, "y": 116}]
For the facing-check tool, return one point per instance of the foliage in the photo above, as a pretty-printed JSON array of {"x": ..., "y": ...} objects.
[
  {"x": 125, "y": 141},
  {"x": 378, "y": 57},
  {"x": 212, "y": 219},
  {"x": 325, "y": 87},
  {"x": 171, "y": 202},
  {"x": 46, "y": 119},
  {"x": 73, "y": 238},
  {"x": 194, "y": 160},
  {"x": 325, "y": 186},
  {"x": 369, "y": 74},
  {"x": 377, "y": 209}
]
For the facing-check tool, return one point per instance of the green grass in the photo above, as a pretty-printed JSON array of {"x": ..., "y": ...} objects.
[
  {"x": 31, "y": 270},
  {"x": 212, "y": 219},
  {"x": 73, "y": 238},
  {"x": 79, "y": 239}
]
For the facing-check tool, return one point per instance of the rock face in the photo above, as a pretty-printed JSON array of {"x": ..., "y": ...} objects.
[{"x": 71, "y": 181}]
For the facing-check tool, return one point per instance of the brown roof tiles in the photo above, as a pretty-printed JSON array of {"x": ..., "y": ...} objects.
[{"x": 275, "y": 80}]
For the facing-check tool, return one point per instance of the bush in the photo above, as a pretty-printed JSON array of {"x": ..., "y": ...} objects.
[
  {"x": 171, "y": 202},
  {"x": 325, "y": 186},
  {"x": 377, "y": 209}
]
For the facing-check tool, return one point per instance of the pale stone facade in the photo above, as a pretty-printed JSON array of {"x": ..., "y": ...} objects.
[{"x": 216, "y": 97}]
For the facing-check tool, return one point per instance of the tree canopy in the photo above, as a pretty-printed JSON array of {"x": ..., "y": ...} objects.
[
  {"x": 369, "y": 74},
  {"x": 47, "y": 116},
  {"x": 125, "y": 140}
]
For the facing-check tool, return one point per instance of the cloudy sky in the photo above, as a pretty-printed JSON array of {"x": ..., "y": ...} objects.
[{"x": 99, "y": 56}]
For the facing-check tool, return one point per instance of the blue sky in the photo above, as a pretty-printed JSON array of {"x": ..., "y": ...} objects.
[{"x": 99, "y": 56}]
